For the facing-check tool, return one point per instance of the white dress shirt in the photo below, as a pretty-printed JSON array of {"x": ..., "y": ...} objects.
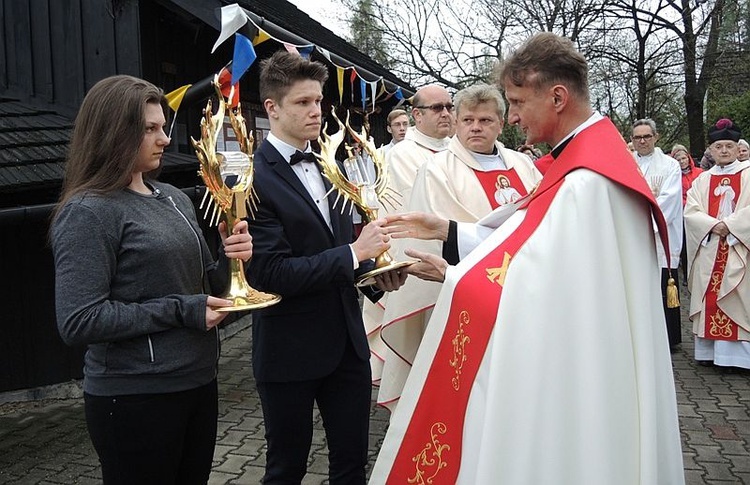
[{"x": 310, "y": 176}]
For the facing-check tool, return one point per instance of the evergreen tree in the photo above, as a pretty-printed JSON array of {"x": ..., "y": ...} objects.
[{"x": 366, "y": 34}]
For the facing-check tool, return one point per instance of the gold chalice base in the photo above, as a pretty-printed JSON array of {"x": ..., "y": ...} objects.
[
  {"x": 254, "y": 301},
  {"x": 368, "y": 278}
]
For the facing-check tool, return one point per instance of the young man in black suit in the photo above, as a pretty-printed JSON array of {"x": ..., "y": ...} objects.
[{"x": 311, "y": 347}]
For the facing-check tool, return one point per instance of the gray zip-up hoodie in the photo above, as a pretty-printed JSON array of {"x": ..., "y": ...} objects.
[{"x": 130, "y": 282}]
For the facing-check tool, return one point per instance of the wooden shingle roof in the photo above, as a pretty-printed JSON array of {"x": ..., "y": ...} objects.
[{"x": 33, "y": 145}]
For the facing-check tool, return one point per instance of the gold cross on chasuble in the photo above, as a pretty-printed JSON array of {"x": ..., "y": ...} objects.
[{"x": 497, "y": 275}]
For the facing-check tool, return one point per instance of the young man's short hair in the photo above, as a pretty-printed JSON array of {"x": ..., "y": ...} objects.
[{"x": 280, "y": 71}]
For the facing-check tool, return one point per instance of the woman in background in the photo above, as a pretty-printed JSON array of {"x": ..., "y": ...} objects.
[
  {"x": 689, "y": 173},
  {"x": 744, "y": 150}
]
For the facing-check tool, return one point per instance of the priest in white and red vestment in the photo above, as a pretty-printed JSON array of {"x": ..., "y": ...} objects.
[
  {"x": 541, "y": 363},
  {"x": 717, "y": 227},
  {"x": 433, "y": 124},
  {"x": 459, "y": 184}
]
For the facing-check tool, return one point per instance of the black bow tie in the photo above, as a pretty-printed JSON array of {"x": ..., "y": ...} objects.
[{"x": 299, "y": 156}]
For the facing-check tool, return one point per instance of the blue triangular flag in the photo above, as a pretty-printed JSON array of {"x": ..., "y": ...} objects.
[
  {"x": 244, "y": 56},
  {"x": 306, "y": 51},
  {"x": 363, "y": 90}
]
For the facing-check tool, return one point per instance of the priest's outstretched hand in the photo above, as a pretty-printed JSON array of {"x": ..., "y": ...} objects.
[
  {"x": 429, "y": 267},
  {"x": 417, "y": 225}
]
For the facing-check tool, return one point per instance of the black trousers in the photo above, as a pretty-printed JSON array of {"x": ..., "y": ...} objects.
[
  {"x": 343, "y": 398},
  {"x": 671, "y": 315},
  {"x": 683, "y": 255},
  {"x": 154, "y": 438}
]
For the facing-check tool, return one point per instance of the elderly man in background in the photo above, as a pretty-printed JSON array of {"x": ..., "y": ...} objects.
[
  {"x": 433, "y": 126},
  {"x": 460, "y": 184},
  {"x": 433, "y": 123},
  {"x": 664, "y": 177},
  {"x": 717, "y": 227}
]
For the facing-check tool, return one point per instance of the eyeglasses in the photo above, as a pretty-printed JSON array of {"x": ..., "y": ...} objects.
[
  {"x": 641, "y": 137},
  {"x": 438, "y": 107}
]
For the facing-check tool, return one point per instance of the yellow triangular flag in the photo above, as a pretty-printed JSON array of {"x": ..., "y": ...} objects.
[
  {"x": 340, "y": 77},
  {"x": 261, "y": 37},
  {"x": 175, "y": 97},
  {"x": 382, "y": 90}
]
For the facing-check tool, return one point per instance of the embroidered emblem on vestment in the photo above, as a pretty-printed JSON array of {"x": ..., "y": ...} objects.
[
  {"x": 497, "y": 275},
  {"x": 459, "y": 349},
  {"x": 429, "y": 461}
]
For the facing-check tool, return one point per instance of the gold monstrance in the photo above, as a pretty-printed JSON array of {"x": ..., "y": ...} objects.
[
  {"x": 356, "y": 185},
  {"x": 229, "y": 181}
]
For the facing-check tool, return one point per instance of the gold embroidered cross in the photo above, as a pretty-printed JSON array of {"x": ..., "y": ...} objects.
[{"x": 497, "y": 275}]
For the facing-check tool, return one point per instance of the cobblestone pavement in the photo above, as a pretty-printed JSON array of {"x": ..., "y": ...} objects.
[{"x": 45, "y": 441}]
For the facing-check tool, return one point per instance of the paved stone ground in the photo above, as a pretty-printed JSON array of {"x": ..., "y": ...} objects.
[{"x": 45, "y": 441}]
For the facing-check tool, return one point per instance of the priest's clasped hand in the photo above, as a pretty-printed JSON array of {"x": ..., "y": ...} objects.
[{"x": 720, "y": 229}]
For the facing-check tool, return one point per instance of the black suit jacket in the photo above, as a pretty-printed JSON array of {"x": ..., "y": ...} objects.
[{"x": 296, "y": 255}]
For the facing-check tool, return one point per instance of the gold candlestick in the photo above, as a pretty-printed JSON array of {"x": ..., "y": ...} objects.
[
  {"x": 229, "y": 191},
  {"x": 367, "y": 195}
]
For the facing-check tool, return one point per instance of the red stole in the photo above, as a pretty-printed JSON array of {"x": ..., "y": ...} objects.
[
  {"x": 494, "y": 186},
  {"x": 543, "y": 163},
  {"x": 430, "y": 451},
  {"x": 723, "y": 193}
]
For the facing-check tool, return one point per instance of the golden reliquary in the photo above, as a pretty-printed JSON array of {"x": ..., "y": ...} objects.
[
  {"x": 229, "y": 193},
  {"x": 357, "y": 186}
]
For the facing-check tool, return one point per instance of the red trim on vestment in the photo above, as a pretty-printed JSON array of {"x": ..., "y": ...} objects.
[
  {"x": 430, "y": 450},
  {"x": 717, "y": 324},
  {"x": 601, "y": 149}
]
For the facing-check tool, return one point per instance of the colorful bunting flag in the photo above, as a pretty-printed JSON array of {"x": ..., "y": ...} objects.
[
  {"x": 233, "y": 17},
  {"x": 225, "y": 83},
  {"x": 340, "y": 78},
  {"x": 325, "y": 53},
  {"x": 260, "y": 37},
  {"x": 352, "y": 78},
  {"x": 306, "y": 51},
  {"x": 235, "y": 21},
  {"x": 383, "y": 90},
  {"x": 291, "y": 48},
  {"x": 244, "y": 56},
  {"x": 373, "y": 87},
  {"x": 174, "y": 98},
  {"x": 363, "y": 91}
]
